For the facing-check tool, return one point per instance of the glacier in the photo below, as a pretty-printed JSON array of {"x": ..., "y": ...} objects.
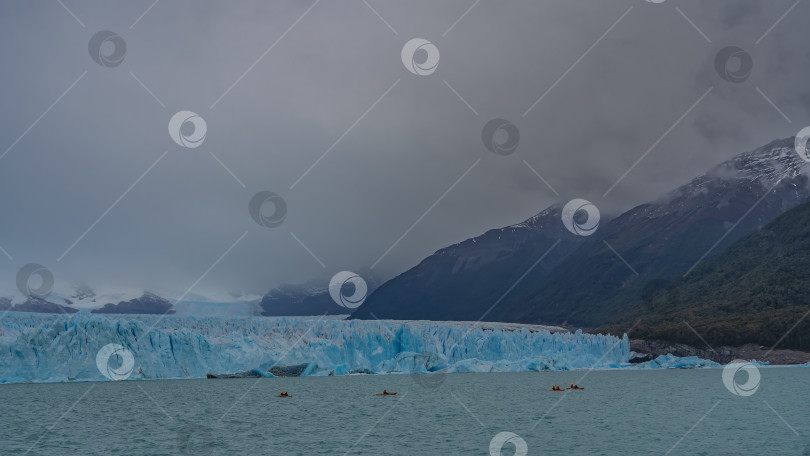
[
  {"x": 59, "y": 348},
  {"x": 670, "y": 361}
]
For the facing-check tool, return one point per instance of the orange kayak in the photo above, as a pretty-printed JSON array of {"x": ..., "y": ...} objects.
[{"x": 575, "y": 388}]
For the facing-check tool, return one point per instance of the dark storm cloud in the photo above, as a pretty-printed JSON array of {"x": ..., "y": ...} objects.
[{"x": 271, "y": 118}]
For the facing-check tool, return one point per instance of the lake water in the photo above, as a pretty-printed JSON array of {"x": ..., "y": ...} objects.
[{"x": 619, "y": 413}]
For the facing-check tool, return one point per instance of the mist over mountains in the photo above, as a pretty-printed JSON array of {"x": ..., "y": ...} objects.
[
  {"x": 514, "y": 274},
  {"x": 310, "y": 298},
  {"x": 726, "y": 251}
]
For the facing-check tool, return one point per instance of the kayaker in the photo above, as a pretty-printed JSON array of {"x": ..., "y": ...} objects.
[{"x": 385, "y": 392}]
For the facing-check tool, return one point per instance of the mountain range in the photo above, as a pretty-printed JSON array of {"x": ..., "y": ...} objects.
[
  {"x": 665, "y": 239},
  {"x": 722, "y": 260},
  {"x": 599, "y": 280},
  {"x": 463, "y": 281},
  {"x": 310, "y": 298},
  {"x": 147, "y": 304},
  {"x": 756, "y": 290}
]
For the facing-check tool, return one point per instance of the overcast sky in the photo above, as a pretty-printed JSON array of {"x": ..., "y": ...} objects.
[{"x": 94, "y": 188}]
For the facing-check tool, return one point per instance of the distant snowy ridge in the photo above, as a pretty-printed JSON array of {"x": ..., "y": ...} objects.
[{"x": 57, "y": 348}]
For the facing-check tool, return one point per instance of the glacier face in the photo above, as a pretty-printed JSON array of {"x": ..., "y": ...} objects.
[{"x": 56, "y": 348}]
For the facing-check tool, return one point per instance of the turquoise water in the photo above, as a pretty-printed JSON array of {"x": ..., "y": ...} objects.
[{"x": 619, "y": 413}]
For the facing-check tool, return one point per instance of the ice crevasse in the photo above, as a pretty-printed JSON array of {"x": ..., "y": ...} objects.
[{"x": 58, "y": 348}]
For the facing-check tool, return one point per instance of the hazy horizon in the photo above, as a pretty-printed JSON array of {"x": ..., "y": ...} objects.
[{"x": 378, "y": 166}]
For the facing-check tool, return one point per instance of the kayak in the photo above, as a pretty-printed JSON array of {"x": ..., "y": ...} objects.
[
  {"x": 575, "y": 388},
  {"x": 557, "y": 390},
  {"x": 281, "y": 395},
  {"x": 386, "y": 394}
]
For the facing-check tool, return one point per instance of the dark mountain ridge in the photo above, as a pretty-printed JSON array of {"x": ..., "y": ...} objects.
[
  {"x": 147, "y": 304},
  {"x": 463, "y": 281},
  {"x": 665, "y": 239},
  {"x": 755, "y": 291},
  {"x": 584, "y": 281},
  {"x": 307, "y": 299},
  {"x": 38, "y": 305}
]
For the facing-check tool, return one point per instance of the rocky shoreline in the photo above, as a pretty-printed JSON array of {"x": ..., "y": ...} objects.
[{"x": 646, "y": 350}]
